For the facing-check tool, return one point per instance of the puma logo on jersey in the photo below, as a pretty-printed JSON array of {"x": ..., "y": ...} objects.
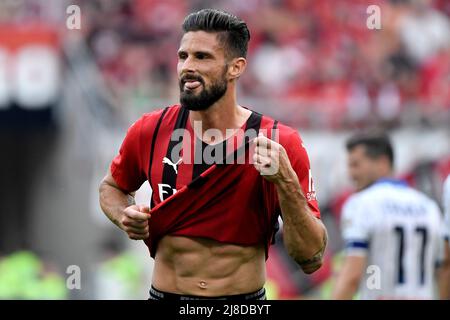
[{"x": 170, "y": 163}]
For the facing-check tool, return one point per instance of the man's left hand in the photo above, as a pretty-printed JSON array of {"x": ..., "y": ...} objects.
[{"x": 271, "y": 160}]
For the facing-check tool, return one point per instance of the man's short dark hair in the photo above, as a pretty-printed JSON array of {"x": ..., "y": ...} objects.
[
  {"x": 376, "y": 145},
  {"x": 233, "y": 33}
]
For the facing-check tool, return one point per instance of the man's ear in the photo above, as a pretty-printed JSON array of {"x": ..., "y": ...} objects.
[
  {"x": 384, "y": 165},
  {"x": 236, "y": 68}
]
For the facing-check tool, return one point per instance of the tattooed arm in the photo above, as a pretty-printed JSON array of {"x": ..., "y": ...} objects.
[{"x": 305, "y": 236}]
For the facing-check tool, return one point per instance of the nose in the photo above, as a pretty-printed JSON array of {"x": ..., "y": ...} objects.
[{"x": 187, "y": 66}]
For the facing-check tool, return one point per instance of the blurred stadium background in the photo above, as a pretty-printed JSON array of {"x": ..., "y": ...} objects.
[{"x": 68, "y": 96}]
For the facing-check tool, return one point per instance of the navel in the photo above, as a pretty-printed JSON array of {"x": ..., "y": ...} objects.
[{"x": 202, "y": 285}]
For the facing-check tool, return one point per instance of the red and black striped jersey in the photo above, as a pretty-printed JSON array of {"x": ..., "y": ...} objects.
[{"x": 209, "y": 191}]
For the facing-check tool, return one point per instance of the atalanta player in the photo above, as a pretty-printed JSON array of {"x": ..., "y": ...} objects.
[{"x": 221, "y": 175}]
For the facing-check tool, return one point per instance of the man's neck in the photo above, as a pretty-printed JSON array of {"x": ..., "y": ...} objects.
[{"x": 224, "y": 114}]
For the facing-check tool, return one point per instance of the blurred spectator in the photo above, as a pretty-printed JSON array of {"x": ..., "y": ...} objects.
[
  {"x": 24, "y": 276},
  {"x": 424, "y": 31},
  {"x": 318, "y": 56}
]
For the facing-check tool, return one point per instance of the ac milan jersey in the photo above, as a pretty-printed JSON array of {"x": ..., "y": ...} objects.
[{"x": 209, "y": 191}]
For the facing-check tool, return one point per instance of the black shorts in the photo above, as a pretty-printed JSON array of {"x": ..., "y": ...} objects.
[{"x": 156, "y": 294}]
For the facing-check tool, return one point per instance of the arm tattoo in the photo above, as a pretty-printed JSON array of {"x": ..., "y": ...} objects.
[{"x": 318, "y": 256}]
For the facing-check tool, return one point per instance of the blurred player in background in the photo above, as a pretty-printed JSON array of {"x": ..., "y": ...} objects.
[
  {"x": 445, "y": 272},
  {"x": 211, "y": 239},
  {"x": 388, "y": 225}
]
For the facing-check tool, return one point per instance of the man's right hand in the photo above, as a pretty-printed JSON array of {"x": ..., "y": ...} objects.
[{"x": 134, "y": 222}]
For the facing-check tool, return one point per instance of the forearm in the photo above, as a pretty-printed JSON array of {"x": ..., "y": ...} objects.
[
  {"x": 444, "y": 283},
  {"x": 349, "y": 277},
  {"x": 304, "y": 235},
  {"x": 345, "y": 287},
  {"x": 443, "y": 276},
  {"x": 113, "y": 201}
]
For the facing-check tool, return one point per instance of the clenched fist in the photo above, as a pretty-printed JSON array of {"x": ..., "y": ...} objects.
[
  {"x": 271, "y": 160},
  {"x": 134, "y": 222}
]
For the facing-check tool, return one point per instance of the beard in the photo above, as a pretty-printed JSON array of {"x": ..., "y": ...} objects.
[{"x": 207, "y": 96}]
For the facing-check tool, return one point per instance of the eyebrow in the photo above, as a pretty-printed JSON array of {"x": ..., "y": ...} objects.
[{"x": 206, "y": 53}]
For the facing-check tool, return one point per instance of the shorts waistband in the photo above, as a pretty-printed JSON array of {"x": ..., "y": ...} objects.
[{"x": 156, "y": 294}]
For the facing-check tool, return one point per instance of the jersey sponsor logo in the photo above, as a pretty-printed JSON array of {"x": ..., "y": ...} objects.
[{"x": 165, "y": 191}]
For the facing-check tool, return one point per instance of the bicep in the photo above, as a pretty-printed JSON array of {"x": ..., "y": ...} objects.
[
  {"x": 109, "y": 181},
  {"x": 299, "y": 159}
]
